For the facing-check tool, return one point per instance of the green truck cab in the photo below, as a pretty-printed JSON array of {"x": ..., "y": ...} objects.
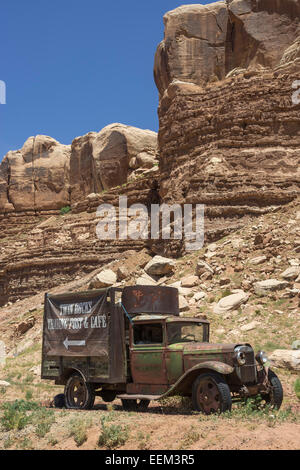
[{"x": 133, "y": 345}]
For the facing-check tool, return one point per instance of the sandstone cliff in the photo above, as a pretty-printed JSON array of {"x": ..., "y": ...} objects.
[
  {"x": 45, "y": 175},
  {"x": 229, "y": 133},
  {"x": 229, "y": 138}
]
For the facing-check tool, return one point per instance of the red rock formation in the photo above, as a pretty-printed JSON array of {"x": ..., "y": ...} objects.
[
  {"x": 100, "y": 161},
  {"x": 229, "y": 133}
]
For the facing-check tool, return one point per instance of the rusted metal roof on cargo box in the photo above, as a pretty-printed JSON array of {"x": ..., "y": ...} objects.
[{"x": 151, "y": 299}]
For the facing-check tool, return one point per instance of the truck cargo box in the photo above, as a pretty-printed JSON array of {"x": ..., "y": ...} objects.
[{"x": 84, "y": 331}]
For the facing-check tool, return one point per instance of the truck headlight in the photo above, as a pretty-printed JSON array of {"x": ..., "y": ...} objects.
[
  {"x": 240, "y": 356},
  {"x": 261, "y": 357}
]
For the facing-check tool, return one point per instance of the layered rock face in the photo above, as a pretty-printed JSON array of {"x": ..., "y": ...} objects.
[
  {"x": 39, "y": 252},
  {"x": 229, "y": 132},
  {"x": 45, "y": 176}
]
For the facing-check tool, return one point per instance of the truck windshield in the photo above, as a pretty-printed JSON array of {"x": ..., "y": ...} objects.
[{"x": 184, "y": 332}]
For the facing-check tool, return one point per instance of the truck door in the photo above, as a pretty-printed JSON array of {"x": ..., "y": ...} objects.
[{"x": 147, "y": 353}]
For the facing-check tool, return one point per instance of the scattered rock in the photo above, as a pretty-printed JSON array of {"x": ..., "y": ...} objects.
[
  {"x": 270, "y": 285},
  {"x": 258, "y": 260},
  {"x": 145, "y": 280},
  {"x": 105, "y": 278},
  {"x": 183, "y": 304},
  {"x": 122, "y": 273},
  {"x": 224, "y": 281},
  {"x": 231, "y": 302},
  {"x": 258, "y": 239},
  {"x": 286, "y": 359},
  {"x": 3, "y": 383},
  {"x": 250, "y": 326},
  {"x": 36, "y": 370},
  {"x": 24, "y": 326},
  {"x": 296, "y": 344},
  {"x": 291, "y": 273},
  {"x": 199, "y": 295},
  {"x": 160, "y": 266},
  {"x": 203, "y": 268},
  {"x": 189, "y": 281},
  {"x": 212, "y": 247}
]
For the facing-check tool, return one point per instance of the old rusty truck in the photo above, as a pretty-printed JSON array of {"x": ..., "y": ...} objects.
[{"x": 132, "y": 344}]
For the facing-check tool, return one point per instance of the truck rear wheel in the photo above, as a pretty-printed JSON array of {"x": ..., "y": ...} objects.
[
  {"x": 79, "y": 394},
  {"x": 211, "y": 394},
  {"x": 135, "y": 405}
]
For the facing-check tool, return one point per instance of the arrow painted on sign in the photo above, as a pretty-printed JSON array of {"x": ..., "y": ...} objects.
[{"x": 68, "y": 343}]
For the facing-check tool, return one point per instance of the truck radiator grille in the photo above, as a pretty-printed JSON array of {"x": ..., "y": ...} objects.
[{"x": 247, "y": 373}]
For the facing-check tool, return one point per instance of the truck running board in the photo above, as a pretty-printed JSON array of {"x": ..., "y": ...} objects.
[{"x": 125, "y": 396}]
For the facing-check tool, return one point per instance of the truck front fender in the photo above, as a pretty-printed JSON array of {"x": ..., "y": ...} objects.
[{"x": 184, "y": 383}]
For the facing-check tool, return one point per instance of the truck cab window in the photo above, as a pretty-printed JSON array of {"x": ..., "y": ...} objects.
[{"x": 148, "y": 334}]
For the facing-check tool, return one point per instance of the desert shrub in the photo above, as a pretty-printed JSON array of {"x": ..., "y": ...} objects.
[
  {"x": 78, "y": 429},
  {"x": 65, "y": 210},
  {"x": 112, "y": 436},
  {"x": 13, "y": 419},
  {"x": 28, "y": 395},
  {"x": 43, "y": 420},
  {"x": 15, "y": 416},
  {"x": 25, "y": 444}
]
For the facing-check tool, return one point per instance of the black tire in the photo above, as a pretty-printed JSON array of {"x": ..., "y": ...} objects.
[
  {"x": 79, "y": 394},
  {"x": 275, "y": 397},
  {"x": 211, "y": 394},
  {"x": 108, "y": 395},
  {"x": 135, "y": 405},
  {"x": 59, "y": 400}
]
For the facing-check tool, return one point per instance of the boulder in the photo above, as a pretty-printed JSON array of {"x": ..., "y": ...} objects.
[
  {"x": 231, "y": 302},
  {"x": 105, "y": 278},
  {"x": 199, "y": 296},
  {"x": 202, "y": 267},
  {"x": 145, "y": 280},
  {"x": 286, "y": 359},
  {"x": 189, "y": 281},
  {"x": 291, "y": 273},
  {"x": 160, "y": 266},
  {"x": 296, "y": 344},
  {"x": 270, "y": 285}
]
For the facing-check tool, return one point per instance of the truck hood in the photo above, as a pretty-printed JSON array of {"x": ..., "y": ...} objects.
[{"x": 203, "y": 348}]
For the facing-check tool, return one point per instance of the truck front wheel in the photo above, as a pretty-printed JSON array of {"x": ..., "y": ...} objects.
[
  {"x": 211, "y": 394},
  {"x": 275, "y": 396},
  {"x": 79, "y": 394}
]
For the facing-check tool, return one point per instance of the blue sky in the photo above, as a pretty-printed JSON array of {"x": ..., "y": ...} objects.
[{"x": 71, "y": 67}]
